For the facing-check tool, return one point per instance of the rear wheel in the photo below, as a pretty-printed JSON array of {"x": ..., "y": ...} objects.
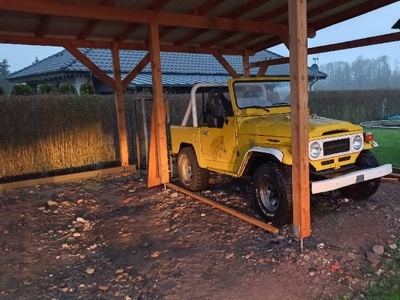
[
  {"x": 192, "y": 176},
  {"x": 272, "y": 185},
  {"x": 363, "y": 190}
]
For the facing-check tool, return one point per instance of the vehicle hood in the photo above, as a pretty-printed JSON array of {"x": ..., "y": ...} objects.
[{"x": 281, "y": 126}]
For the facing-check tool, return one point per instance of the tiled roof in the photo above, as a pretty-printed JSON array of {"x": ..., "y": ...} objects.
[{"x": 177, "y": 68}]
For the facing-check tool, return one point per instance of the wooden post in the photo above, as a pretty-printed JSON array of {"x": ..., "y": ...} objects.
[
  {"x": 119, "y": 101},
  {"x": 245, "y": 61},
  {"x": 161, "y": 136},
  {"x": 299, "y": 97}
]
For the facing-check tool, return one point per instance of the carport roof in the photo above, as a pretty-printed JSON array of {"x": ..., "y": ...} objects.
[{"x": 198, "y": 26}]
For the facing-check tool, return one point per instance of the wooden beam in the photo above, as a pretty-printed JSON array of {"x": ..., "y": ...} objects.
[
  {"x": 65, "y": 178},
  {"x": 245, "y": 62},
  {"x": 343, "y": 15},
  {"x": 136, "y": 70},
  {"x": 43, "y": 26},
  {"x": 162, "y": 149},
  {"x": 262, "y": 70},
  {"x": 226, "y": 209},
  {"x": 90, "y": 65},
  {"x": 374, "y": 40},
  {"x": 269, "y": 62},
  {"x": 369, "y": 41},
  {"x": 123, "y": 14},
  {"x": 62, "y": 42},
  {"x": 226, "y": 65},
  {"x": 299, "y": 96},
  {"x": 235, "y": 14},
  {"x": 153, "y": 164},
  {"x": 119, "y": 103},
  {"x": 156, "y": 5},
  {"x": 350, "y": 12}
]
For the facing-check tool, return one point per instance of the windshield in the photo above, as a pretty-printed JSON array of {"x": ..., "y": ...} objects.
[{"x": 262, "y": 93}]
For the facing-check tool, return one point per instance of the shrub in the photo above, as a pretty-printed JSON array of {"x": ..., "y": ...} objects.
[
  {"x": 86, "y": 89},
  {"x": 46, "y": 89},
  {"x": 2, "y": 92},
  {"x": 21, "y": 89},
  {"x": 67, "y": 89}
]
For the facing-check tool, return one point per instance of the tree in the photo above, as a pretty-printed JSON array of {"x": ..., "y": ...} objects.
[
  {"x": 36, "y": 60},
  {"x": 4, "y": 69}
]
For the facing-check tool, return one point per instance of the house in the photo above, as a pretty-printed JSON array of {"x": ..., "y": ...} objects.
[{"x": 180, "y": 70}]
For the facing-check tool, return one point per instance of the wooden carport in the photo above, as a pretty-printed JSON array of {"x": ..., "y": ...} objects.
[{"x": 214, "y": 27}]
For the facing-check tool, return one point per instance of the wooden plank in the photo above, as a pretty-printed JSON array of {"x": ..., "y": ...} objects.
[
  {"x": 226, "y": 65},
  {"x": 153, "y": 166},
  {"x": 119, "y": 102},
  {"x": 226, "y": 209},
  {"x": 130, "y": 15},
  {"x": 299, "y": 96},
  {"x": 235, "y": 14},
  {"x": 65, "y": 178},
  {"x": 200, "y": 10},
  {"x": 162, "y": 148},
  {"x": 43, "y": 26},
  {"x": 245, "y": 62},
  {"x": 67, "y": 41},
  {"x": 91, "y": 24},
  {"x": 156, "y": 5},
  {"x": 136, "y": 71},
  {"x": 390, "y": 179},
  {"x": 90, "y": 65}
]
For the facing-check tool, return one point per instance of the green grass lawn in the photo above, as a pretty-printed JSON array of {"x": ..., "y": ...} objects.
[{"x": 389, "y": 146}]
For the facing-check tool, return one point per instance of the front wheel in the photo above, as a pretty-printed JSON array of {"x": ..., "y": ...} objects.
[
  {"x": 272, "y": 186},
  {"x": 363, "y": 190},
  {"x": 192, "y": 176}
]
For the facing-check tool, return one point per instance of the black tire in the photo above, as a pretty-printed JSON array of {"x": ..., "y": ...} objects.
[
  {"x": 190, "y": 174},
  {"x": 363, "y": 190},
  {"x": 272, "y": 188}
]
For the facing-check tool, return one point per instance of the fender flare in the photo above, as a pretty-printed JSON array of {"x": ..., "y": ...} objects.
[{"x": 278, "y": 154}]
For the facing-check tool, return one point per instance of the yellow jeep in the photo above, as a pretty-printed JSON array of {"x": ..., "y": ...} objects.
[{"x": 250, "y": 135}]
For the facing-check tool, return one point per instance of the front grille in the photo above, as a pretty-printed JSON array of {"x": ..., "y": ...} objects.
[{"x": 337, "y": 146}]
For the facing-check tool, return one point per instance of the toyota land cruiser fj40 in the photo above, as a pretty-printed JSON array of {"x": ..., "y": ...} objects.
[{"x": 250, "y": 135}]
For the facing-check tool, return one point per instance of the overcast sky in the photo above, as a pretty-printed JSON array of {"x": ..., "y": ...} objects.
[{"x": 371, "y": 24}]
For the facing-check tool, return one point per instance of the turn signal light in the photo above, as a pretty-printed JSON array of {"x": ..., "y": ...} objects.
[{"x": 368, "y": 137}]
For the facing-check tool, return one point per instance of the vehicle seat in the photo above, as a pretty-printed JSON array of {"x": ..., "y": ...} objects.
[{"x": 215, "y": 110}]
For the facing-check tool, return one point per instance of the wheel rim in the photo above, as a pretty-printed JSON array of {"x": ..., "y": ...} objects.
[
  {"x": 186, "y": 169},
  {"x": 269, "y": 196}
]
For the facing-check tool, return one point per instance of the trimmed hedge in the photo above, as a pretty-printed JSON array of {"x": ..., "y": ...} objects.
[
  {"x": 46, "y": 89},
  {"x": 86, "y": 89},
  {"x": 67, "y": 89},
  {"x": 21, "y": 89},
  {"x": 43, "y": 133}
]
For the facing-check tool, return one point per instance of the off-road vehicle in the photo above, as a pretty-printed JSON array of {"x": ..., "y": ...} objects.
[{"x": 246, "y": 131}]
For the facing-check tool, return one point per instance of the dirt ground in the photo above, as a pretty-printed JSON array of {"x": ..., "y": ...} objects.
[{"x": 112, "y": 238}]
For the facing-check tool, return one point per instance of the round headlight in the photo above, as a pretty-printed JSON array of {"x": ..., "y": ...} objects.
[
  {"x": 357, "y": 142},
  {"x": 315, "y": 150}
]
